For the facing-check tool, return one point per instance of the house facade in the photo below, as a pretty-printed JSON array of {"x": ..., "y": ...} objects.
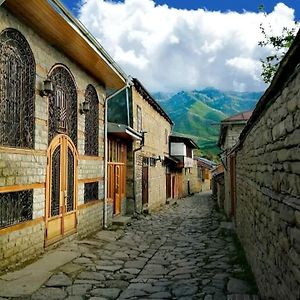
[
  {"x": 187, "y": 180},
  {"x": 139, "y": 128},
  {"x": 267, "y": 161},
  {"x": 229, "y": 135},
  {"x": 51, "y": 128},
  {"x": 204, "y": 169},
  {"x": 150, "y": 169}
]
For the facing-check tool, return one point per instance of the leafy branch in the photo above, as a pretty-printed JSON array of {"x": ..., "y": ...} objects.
[{"x": 279, "y": 44}]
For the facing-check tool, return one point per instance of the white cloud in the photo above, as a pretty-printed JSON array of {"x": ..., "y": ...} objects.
[{"x": 170, "y": 49}]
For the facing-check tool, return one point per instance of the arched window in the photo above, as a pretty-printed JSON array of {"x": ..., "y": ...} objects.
[
  {"x": 63, "y": 104},
  {"x": 17, "y": 90},
  {"x": 92, "y": 122}
]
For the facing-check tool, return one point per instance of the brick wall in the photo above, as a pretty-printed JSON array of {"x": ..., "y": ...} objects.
[
  {"x": 90, "y": 219},
  {"x": 21, "y": 245},
  {"x": 268, "y": 196}
]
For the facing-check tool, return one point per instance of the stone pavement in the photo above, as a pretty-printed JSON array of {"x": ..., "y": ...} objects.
[{"x": 180, "y": 252}]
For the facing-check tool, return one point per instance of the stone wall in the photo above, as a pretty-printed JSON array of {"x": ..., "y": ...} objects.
[
  {"x": 268, "y": 196},
  {"x": 27, "y": 168},
  {"x": 232, "y": 135}
]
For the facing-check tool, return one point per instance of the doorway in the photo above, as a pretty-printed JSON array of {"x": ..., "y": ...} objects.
[
  {"x": 61, "y": 189},
  {"x": 145, "y": 178}
]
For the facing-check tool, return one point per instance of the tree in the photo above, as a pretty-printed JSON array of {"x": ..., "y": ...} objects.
[{"x": 279, "y": 44}]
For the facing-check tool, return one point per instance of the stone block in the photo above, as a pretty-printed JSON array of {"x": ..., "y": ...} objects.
[
  {"x": 295, "y": 237},
  {"x": 287, "y": 214},
  {"x": 292, "y": 105}
]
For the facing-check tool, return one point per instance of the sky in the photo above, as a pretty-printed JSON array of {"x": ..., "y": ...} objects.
[{"x": 174, "y": 45}]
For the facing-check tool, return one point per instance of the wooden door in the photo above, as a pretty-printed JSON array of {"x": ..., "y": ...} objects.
[
  {"x": 168, "y": 186},
  {"x": 145, "y": 185},
  {"x": 117, "y": 196},
  {"x": 61, "y": 186}
]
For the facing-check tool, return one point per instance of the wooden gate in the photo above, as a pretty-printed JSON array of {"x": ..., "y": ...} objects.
[
  {"x": 61, "y": 189},
  {"x": 168, "y": 186}
]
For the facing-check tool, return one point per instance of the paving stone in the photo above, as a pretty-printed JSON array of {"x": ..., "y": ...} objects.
[
  {"x": 236, "y": 286},
  {"x": 78, "y": 289},
  {"x": 130, "y": 293},
  {"x": 185, "y": 290},
  {"x": 49, "y": 294},
  {"x": 91, "y": 276},
  {"x": 59, "y": 280},
  {"x": 110, "y": 293},
  {"x": 161, "y": 295},
  {"x": 112, "y": 268},
  {"x": 71, "y": 268},
  {"x": 136, "y": 264},
  {"x": 121, "y": 284},
  {"x": 75, "y": 298}
]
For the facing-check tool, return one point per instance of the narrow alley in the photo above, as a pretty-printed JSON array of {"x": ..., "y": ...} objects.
[{"x": 180, "y": 252}]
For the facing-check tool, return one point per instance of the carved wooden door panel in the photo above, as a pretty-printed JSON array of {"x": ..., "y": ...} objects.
[{"x": 61, "y": 185}]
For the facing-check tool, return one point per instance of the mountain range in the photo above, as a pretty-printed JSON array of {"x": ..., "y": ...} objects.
[{"x": 198, "y": 113}]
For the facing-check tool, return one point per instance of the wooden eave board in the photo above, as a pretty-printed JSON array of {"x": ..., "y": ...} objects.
[{"x": 51, "y": 26}]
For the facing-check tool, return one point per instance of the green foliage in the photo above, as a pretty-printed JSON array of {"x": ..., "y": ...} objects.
[{"x": 279, "y": 43}]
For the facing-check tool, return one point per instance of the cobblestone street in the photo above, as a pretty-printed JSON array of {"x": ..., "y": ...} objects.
[{"x": 179, "y": 252}]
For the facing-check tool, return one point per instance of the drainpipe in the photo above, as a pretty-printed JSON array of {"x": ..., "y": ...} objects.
[{"x": 128, "y": 84}]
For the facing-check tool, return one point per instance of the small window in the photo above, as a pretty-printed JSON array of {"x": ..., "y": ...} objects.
[
  {"x": 15, "y": 207},
  {"x": 139, "y": 119},
  {"x": 91, "y": 191}
]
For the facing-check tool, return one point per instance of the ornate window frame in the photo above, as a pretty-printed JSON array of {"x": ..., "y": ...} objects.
[
  {"x": 17, "y": 90},
  {"x": 63, "y": 108},
  {"x": 91, "y": 145}
]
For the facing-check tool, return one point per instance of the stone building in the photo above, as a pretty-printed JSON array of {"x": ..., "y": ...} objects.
[
  {"x": 150, "y": 156},
  {"x": 218, "y": 189},
  {"x": 204, "y": 169},
  {"x": 229, "y": 134},
  {"x": 186, "y": 176},
  {"x": 53, "y": 82},
  {"x": 138, "y": 133},
  {"x": 267, "y": 167}
]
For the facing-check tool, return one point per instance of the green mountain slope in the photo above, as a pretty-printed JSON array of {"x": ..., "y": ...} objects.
[{"x": 198, "y": 113}]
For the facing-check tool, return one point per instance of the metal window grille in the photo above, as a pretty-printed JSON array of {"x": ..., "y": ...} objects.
[
  {"x": 91, "y": 191},
  {"x": 70, "y": 194},
  {"x": 55, "y": 186},
  {"x": 15, "y": 207},
  {"x": 92, "y": 122},
  {"x": 17, "y": 90},
  {"x": 63, "y": 105}
]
